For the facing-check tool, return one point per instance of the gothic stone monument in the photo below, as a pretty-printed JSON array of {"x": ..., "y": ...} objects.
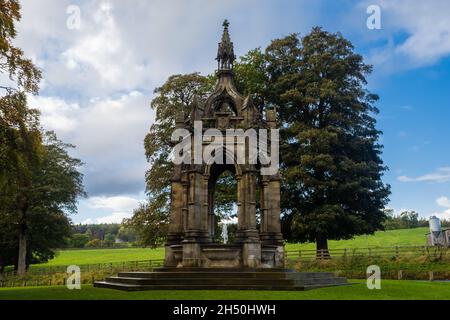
[
  {"x": 193, "y": 261},
  {"x": 191, "y": 230}
]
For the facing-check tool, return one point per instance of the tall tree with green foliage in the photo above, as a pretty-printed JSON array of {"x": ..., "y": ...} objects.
[
  {"x": 22, "y": 151},
  {"x": 15, "y": 120},
  {"x": 330, "y": 154},
  {"x": 39, "y": 181},
  {"x": 34, "y": 216}
]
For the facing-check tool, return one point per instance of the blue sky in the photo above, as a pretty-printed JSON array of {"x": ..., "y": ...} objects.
[{"x": 99, "y": 79}]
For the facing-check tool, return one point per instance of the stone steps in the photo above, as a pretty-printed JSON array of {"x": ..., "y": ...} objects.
[
  {"x": 197, "y": 269},
  {"x": 241, "y": 275},
  {"x": 127, "y": 287},
  {"x": 218, "y": 281},
  {"x": 226, "y": 279}
]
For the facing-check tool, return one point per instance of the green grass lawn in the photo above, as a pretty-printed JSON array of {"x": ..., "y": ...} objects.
[
  {"x": 390, "y": 290},
  {"x": 93, "y": 256},
  {"x": 406, "y": 237},
  {"x": 403, "y": 237}
]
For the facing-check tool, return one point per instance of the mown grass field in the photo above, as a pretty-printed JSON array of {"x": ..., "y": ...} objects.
[
  {"x": 406, "y": 237},
  {"x": 390, "y": 290},
  {"x": 94, "y": 256},
  {"x": 403, "y": 237}
]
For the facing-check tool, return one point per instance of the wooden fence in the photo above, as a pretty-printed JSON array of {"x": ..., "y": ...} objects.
[
  {"x": 397, "y": 252},
  {"x": 56, "y": 275}
]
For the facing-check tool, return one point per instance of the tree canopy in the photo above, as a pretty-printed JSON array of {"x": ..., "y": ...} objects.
[{"x": 330, "y": 154}]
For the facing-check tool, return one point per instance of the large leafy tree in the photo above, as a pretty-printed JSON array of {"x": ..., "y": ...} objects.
[
  {"x": 21, "y": 152},
  {"x": 19, "y": 126},
  {"x": 39, "y": 181},
  {"x": 34, "y": 210},
  {"x": 330, "y": 153}
]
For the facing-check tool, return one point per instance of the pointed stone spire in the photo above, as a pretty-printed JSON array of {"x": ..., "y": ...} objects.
[{"x": 225, "y": 53}]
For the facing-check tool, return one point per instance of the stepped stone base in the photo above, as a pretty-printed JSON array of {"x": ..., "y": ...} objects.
[{"x": 220, "y": 279}]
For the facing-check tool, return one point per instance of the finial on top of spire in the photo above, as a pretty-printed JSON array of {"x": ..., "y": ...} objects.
[{"x": 225, "y": 53}]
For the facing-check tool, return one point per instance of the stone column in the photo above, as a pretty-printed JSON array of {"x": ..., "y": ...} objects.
[
  {"x": 175, "y": 233},
  {"x": 264, "y": 203},
  {"x": 271, "y": 227},
  {"x": 271, "y": 236},
  {"x": 247, "y": 233},
  {"x": 197, "y": 222}
]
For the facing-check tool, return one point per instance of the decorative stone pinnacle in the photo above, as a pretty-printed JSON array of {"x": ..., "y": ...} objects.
[{"x": 225, "y": 52}]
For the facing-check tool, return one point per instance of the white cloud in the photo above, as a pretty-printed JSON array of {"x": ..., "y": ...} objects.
[
  {"x": 88, "y": 221},
  {"x": 443, "y": 202},
  {"x": 116, "y": 217},
  {"x": 122, "y": 47},
  {"x": 108, "y": 134},
  {"x": 56, "y": 113},
  {"x": 118, "y": 203},
  {"x": 426, "y": 33},
  {"x": 118, "y": 208},
  {"x": 440, "y": 175},
  {"x": 100, "y": 58}
]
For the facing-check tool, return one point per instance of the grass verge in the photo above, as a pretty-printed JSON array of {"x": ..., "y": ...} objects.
[{"x": 390, "y": 290}]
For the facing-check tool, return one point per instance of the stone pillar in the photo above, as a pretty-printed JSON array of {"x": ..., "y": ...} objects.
[
  {"x": 175, "y": 233},
  {"x": 210, "y": 208},
  {"x": 197, "y": 222},
  {"x": 270, "y": 226},
  {"x": 247, "y": 233},
  {"x": 176, "y": 214},
  {"x": 271, "y": 235}
]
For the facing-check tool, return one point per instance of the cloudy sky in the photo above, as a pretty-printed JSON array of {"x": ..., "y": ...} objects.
[{"x": 99, "y": 80}]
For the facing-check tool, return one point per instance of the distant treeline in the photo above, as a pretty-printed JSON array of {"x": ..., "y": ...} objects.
[
  {"x": 408, "y": 220},
  {"x": 101, "y": 235}
]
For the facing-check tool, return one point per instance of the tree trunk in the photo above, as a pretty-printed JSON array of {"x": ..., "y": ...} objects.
[
  {"x": 22, "y": 259},
  {"x": 322, "y": 248}
]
